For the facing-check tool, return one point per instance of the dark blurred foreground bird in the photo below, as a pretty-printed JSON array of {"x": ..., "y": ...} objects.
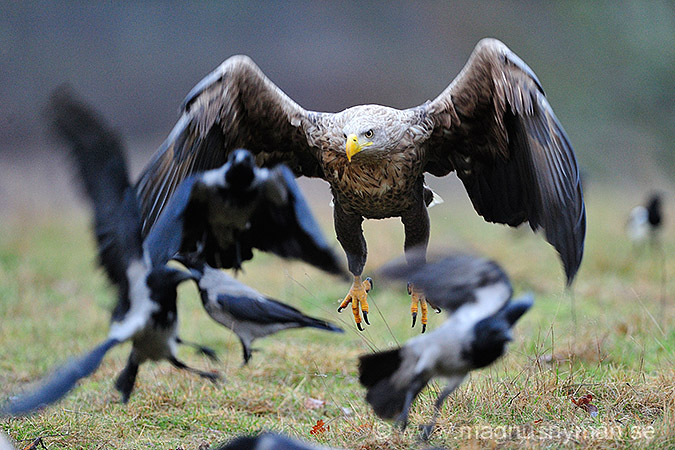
[
  {"x": 492, "y": 125},
  {"x": 646, "y": 221},
  {"x": 216, "y": 219},
  {"x": 267, "y": 441},
  {"x": 221, "y": 215},
  {"x": 270, "y": 441},
  {"x": 245, "y": 311},
  {"x": 477, "y": 295},
  {"x": 145, "y": 313}
]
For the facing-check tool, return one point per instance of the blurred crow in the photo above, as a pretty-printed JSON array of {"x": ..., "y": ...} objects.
[
  {"x": 267, "y": 441},
  {"x": 146, "y": 307},
  {"x": 270, "y": 441},
  {"x": 654, "y": 214},
  {"x": 216, "y": 218},
  {"x": 645, "y": 221},
  {"x": 477, "y": 295},
  {"x": 245, "y": 311},
  {"x": 226, "y": 212}
]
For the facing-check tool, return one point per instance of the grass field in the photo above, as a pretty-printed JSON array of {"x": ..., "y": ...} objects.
[{"x": 617, "y": 344}]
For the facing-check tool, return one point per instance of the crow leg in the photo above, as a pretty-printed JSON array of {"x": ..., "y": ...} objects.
[
  {"x": 402, "y": 420},
  {"x": 181, "y": 365},
  {"x": 426, "y": 430},
  {"x": 247, "y": 350},
  {"x": 127, "y": 378},
  {"x": 207, "y": 351}
]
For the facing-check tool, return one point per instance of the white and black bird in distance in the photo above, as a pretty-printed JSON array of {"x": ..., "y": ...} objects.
[{"x": 645, "y": 221}]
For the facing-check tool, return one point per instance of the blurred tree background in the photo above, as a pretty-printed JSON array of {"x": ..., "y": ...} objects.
[{"x": 608, "y": 67}]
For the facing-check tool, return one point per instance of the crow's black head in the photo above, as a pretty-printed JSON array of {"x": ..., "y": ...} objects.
[
  {"x": 654, "y": 210},
  {"x": 490, "y": 338},
  {"x": 492, "y": 333},
  {"x": 241, "y": 172}
]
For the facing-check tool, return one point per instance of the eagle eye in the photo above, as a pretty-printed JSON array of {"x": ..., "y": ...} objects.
[{"x": 368, "y": 134}]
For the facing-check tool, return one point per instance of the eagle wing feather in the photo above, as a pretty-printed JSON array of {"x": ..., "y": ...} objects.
[
  {"x": 494, "y": 126},
  {"x": 234, "y": 106}
]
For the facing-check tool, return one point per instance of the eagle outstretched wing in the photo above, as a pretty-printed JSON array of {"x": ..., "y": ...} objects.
[
  {"x": 235, "y": 106},
  {"x": 494, "y": 126}
]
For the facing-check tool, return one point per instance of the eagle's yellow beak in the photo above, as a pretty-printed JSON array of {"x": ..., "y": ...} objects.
[{"x": 353, "y": 146}]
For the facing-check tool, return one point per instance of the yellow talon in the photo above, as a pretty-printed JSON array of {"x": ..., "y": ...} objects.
[
  {"x": 358, "y": 297},
  {"x": 423, "y": 306},
  {"x": 418, "y": 301},
  {"x": 413, "y": 307}
]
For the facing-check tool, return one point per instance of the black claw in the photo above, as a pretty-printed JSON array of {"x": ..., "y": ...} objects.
[
  {"x": 358, "y": 325},
  {"x": 365, "y": 317},
  {"x": 402, "y": 424},
  {"x": 436, "y": 308},
  {"x": 414, "y": 316},
  {"x": 370, "y": 280},
  {"x": 340, "y": 309},
  {"x": 424, "y": 327},
  {"x": 209, "y": 352},
  {"x": 212, "y": 377}
]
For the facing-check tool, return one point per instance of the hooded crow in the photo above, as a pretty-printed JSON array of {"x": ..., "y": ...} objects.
[
  {"x": 270, "y": 441},
  {"x": 477, "y": 295},
  {"x": 216, "y": 218},
  {"x": 645, "y": 221},
  {"x": 225, "y": 213},
  {"x": 654, "y": 214},
  {"x": 267, "y": 441},
  {"x": 145, "y": 313},
  {"x": 245, "y": 311}
]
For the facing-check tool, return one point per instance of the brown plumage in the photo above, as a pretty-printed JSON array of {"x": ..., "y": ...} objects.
[{"x": 492, "y": 125}]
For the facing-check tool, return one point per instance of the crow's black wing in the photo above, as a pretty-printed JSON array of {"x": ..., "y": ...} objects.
[
  {"x": 287, "y": 227},
  {"x": 98, "y": 154},
  {"x": 60, "y": 382}
]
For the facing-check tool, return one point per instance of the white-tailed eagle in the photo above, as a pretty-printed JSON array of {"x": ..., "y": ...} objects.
[{"x": 492, "y": 125}]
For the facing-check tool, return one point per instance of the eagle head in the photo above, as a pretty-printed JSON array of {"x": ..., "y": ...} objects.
[
  {"x": 354, "y": 145},
  {"x": 377, "y": 128}
]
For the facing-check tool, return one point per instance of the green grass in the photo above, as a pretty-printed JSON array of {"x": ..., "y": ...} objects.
[{"x": 618, "y": 345}]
